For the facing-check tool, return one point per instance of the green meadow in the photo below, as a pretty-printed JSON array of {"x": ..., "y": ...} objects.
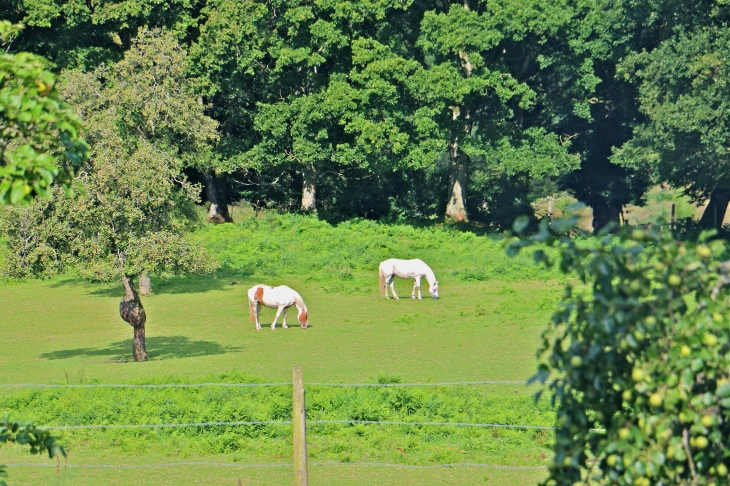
[{"x": 485, "y": 326}]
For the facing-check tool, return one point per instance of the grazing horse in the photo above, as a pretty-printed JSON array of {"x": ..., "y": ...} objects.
[
  {"x": 281, "y": 297},
  {"x": 415, "y": 269}
]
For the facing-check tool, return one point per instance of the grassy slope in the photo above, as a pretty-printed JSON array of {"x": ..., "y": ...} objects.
[{"x": 485, "y": 326}]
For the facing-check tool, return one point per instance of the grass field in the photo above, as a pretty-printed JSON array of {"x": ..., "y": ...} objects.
[
  {"x": 485, "y": 327},
  {"x": 144, "y": 472}
]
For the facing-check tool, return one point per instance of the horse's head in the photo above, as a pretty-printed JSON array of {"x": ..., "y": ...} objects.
[
  {"x": 303, "y": 317},
  {"x": 434, "y": 289}
]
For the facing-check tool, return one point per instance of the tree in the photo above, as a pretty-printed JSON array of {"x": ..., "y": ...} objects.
[
  {"x": 39, "y": 133},
  {"x": 281, "y": 68},
  {"x": 684, "y": 100},
  {"x": 639, "y": 349},
  {"x": 444, "y": 86},
  {"x": 144, "y": 126},
  {"x": 579, "y": 97}
]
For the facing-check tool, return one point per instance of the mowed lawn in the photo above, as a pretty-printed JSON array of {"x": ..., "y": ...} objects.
[
  {"x": 69, "y": 331},
  {"x": 140, "y": 473}
]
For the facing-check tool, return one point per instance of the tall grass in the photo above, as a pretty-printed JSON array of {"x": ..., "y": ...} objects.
[
  {"x": 272, "y": 244},
  {"x": 405, "y": 444}
]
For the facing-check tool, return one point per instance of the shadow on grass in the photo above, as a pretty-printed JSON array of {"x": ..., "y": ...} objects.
[
  {"x": 158, "y": 347},
  {"x": 184, "y": 284}
]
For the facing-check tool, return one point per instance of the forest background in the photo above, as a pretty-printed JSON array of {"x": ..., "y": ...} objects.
[{"x": 396, "y": 110}]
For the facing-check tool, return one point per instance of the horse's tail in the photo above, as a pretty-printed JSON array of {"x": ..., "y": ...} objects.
[
  {"x": 251, "y": 312},
  {"x": 381, "y": 282}
]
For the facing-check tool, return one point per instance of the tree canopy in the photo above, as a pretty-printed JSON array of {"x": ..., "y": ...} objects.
[{"x": 425, "y": 109}]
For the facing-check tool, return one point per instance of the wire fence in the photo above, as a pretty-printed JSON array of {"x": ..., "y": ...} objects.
[
  {"x": 278, "y": 423},
  {"x": 236, "y": 385},
  {"x": 279, "y": 465},
  {"x": 288, "y": 422}
]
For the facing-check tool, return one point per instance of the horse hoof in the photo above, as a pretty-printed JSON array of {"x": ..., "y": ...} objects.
[{"x": 285, "y": 327}]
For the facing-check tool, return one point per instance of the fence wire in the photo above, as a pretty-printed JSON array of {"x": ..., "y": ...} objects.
[
  {"x": 434, "y": 424},
  {"x": 156, "y": 426},
  {"x": 243, "y": 385},
  {"x": 310, "y": 422},
  {"x": 288, "y": 422},
  {"x": 158, "y": 385},
  {"x": 276, "y": 422},
  {"x": 267, "y": 466}
]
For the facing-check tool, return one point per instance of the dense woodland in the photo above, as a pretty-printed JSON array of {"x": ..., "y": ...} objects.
[
  {"x": 387, "y": 110},
  {"x": 398, "y": 109}
]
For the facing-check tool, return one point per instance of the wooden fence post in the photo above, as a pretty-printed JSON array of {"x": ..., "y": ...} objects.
[{"x": 299, "y": 426}]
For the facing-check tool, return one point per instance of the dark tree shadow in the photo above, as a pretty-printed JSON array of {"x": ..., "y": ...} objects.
[{"x": 158, "y": 347}]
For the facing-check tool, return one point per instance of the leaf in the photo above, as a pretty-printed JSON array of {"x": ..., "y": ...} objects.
[
  {"x": 514, "y": 248},
  {"x": 543, "y": 372},
  {"x": 539, "y": 256},
  {"x": 723, "y": 390},
  {"x": 543, "y": 233},
  {"x": 18, "y": 191},
  {"x": 563, "y": 225},
  {"x": 520, "y": 224}
]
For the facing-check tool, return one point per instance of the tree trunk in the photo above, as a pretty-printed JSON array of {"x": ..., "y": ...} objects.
[
  {"x": 309, "y": 201},
  {"x": 145, "y": 285},
  {"x": 715, "y": 210},
  {"x": 131, "y": 310},
  {"x": 604, "y": 214},
  {"x": 456, "y": 206},
  {"x": 218, "y": 212},
  {"x": 139, "y": 349}
]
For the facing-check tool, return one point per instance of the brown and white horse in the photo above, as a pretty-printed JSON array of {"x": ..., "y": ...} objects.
[
  {"x": 415, "y": 269},
  {"x": 281, "y": 297}
]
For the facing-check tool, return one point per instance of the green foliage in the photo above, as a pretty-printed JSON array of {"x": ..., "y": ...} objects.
[
  {"x": 145, "y": 127},
  {"x": 39, "y": 133},
  {"x": 25, "y": 433},
  {"x": 286, "y": 244},
  {"x": 39, "y": 243},
  {"x": 685, "y": 135},
  {"x": 641, "y": 352},
  {"x": 344, "y": 442}
]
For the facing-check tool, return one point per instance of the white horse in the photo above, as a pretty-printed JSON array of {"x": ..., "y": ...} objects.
[
  {"x": 281, "y": 297},
  {"x": 415, "y": 269}
]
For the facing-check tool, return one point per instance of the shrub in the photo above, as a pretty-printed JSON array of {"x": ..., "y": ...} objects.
[{"x": 642, "y": 351}]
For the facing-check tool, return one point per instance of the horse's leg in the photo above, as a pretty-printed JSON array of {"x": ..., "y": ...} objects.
[
  {"x": 283, "y": 323},
  {"x": 257, "y": 309},
  {"x": 278, "y": 313},
  {"x": 392, "y": 287},
  {"x": 418, "y": 281},
  {"x": 415, "y": 286}
]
